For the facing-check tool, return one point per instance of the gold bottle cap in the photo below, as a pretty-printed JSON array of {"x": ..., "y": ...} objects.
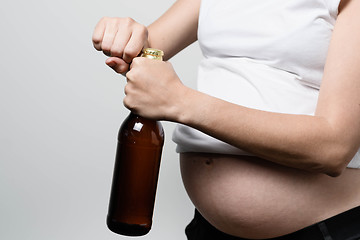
[{"x": 152, "y": 53}]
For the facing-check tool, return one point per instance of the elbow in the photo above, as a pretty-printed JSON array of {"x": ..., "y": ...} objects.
[
  {"x": 330, "y": 167},
  {"x": 334, "y": 171},
  {"x": 334, "y": 162}
]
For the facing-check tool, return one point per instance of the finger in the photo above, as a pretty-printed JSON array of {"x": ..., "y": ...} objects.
[
  {"x": 126, "y": 89},
  {"x": 127, "y": 101},
  {"x": 134, "y": 62},
  {"x": 117, "y": 64},
  {"x": 109, "y": 36},
  {"x": 128, "y": 75},
  {"x": 98, "y": 34},
  {"x": 121, "y": 39},
  {"x": 136, "y": 43}
]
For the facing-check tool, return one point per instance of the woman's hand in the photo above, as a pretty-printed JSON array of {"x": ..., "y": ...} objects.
[
  {"x": 153, "y": 89},
  {"x": 122, "y": 39}
]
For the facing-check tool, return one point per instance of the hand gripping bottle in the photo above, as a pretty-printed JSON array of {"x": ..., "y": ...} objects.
[{"x": 136, "y": 170}]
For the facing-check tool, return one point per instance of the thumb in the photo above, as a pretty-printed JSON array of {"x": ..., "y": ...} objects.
[{"x": 117, "y": 64}]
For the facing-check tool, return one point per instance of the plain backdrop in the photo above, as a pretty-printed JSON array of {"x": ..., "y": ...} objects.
[{"x": 61, "y": 108}]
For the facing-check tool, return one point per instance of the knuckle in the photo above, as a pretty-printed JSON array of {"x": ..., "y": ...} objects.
[
  {"x": 135, "y": 63},
  {"x": 111, "y": 20},
  {"x": 125, "y": 102},
  {"x": 131, "y": 76},
  {"x": 128, "y": 75},
  {"x": 126, "y": 89},
  {"x": 105, "y": 19},
  {"x": 138, "y": 60},
  {"x": 102, "y": 20},
  {"x": 128, "y": 104},
  {"x": 116, "y": 20},
  {"x": 128, "y": 21}
]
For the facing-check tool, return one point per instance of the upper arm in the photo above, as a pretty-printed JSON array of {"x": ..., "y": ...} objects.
[
  {"x": 176, "y": 28},
  {"x": 339, "y": 98}
]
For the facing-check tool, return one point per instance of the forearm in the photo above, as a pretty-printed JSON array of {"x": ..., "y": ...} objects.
[
  {"x": 176, "y": 28},
  {"x": 299, "y": 141}
]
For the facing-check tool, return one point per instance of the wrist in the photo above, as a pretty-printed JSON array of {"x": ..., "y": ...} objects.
[
  {"x": 179, "y": 110},
  {"x": 187, "y": 108}
]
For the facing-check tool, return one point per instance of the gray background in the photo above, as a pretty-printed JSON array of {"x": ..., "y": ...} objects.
[{"x": 61, "y": 108}]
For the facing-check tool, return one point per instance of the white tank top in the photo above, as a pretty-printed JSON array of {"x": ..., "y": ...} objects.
[{"x": 261, "y": 54}]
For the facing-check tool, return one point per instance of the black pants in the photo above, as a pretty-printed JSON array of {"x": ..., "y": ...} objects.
[{"x": 345, "y": 226}]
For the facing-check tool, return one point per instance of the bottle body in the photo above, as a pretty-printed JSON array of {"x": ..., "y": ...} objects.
[{"x": 136, "y": 170}]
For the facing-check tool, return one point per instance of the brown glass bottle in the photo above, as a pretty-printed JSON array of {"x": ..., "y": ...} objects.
[{"x": 136, "y": 170}]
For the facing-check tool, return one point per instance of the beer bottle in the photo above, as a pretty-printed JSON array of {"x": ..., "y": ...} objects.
[{"x": 136, "y": 170}]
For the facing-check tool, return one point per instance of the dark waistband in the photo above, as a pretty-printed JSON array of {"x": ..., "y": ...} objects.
[{"x": 344, "y": 226}]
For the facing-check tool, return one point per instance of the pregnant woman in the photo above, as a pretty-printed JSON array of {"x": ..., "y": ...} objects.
[{"x": 269, "y": 142}]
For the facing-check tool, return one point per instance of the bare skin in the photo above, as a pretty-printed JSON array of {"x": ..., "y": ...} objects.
[
  {"x": 253, "y": 198},
  {"x": 288, "y": 183}
]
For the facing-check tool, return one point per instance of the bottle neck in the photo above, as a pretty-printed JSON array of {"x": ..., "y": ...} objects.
[{"x": 140, "y": 118}]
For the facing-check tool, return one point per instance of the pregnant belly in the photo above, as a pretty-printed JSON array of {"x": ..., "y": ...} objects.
[{"x": 252, "y": 198}]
